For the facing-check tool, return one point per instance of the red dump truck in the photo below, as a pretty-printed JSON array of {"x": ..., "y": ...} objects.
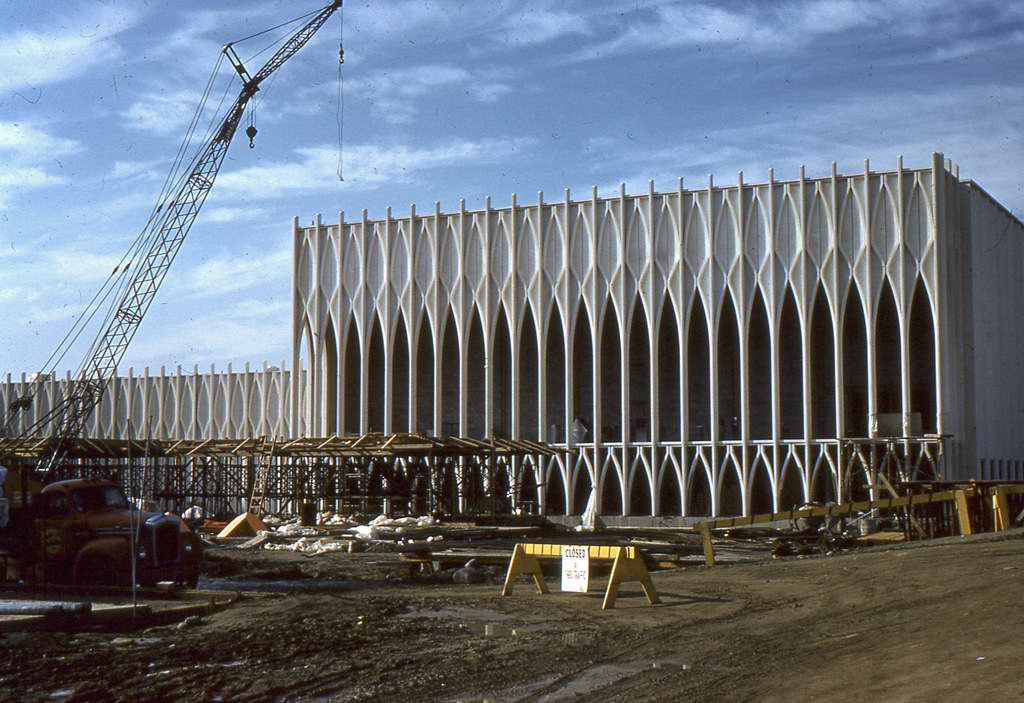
[{"x": 85, "y": 533}]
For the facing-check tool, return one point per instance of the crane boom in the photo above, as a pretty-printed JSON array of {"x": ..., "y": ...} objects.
[{"x": 166, "y": 234}]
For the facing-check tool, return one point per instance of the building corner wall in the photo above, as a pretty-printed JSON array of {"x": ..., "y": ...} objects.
[
  {"x": 995, "y": 382},
  {"x": 955, "y": 331}
]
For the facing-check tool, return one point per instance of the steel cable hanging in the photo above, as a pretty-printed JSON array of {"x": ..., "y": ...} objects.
[
  {"x": 142, "y": 269},
  {"x": 114, "y": 282}
]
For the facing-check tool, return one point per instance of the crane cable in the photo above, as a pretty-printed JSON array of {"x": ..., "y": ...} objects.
[
  {"x": 117, "y": 279},
  {"x": 150, "y": 231},
  {"x": 174, "y": 178},
  {"x": 341, "y": 92}
]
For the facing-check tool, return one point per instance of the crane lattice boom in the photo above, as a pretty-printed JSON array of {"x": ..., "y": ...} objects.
[{"x": 165, "y": 235}]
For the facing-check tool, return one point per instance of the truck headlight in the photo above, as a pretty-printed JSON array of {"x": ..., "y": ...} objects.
[
  {"x": 142, "y": 552},
  {"x": 188, "y": 546}
]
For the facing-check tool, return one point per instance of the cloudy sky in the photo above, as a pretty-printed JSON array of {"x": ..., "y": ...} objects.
[{"x": 443, "y": 100}]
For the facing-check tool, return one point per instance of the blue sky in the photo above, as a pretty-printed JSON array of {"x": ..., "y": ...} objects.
[{"x": 444, "y": 100}]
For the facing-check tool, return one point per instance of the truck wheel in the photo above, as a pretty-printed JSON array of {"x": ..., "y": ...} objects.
[{"x": 96, "y": 571}]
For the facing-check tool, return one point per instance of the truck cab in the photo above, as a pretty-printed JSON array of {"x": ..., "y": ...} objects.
[{"x": 85, "y": 533}]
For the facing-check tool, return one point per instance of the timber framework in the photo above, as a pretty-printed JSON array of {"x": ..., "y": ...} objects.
[{"x": 359, "y": 474}]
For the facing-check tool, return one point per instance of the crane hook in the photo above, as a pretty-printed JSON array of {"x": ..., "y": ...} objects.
[{"x": 250, "y": 132}]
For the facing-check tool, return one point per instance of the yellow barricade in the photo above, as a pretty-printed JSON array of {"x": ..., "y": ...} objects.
[
  {"x": 627, "y": 565},
  {"x": 1001, "y": 518}
]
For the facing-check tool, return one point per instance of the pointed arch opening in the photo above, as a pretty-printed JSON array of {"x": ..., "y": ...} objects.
[
  {"x": 791, "y": 370},
  {"x": 376, "y": 382},
  {"x": 529, "y": 381},
  {"x": 730, "y": 491},
  {"x": 823, "y": 369},
  {"x": 353, "y": 380},
  {"x": 638, "y": 384},
  {"x": 855, "y": 368},
  {"x": 698, "y": 500},
  {"x": 698, "y": 376},
  {"x": 729, "y": 402},
  {"x": 611, "y": 376},
  {"x": 529, "y": 488},
  {"x": 791, "y": 492},
  {"x": 611, "y": 493},
  {"x": 857, "y": 476},
  {"x": 888, "y": 393},
  {"x": 425, "y": 379},
  {"x": 304, "y": 368},
  {"x": 554, "y": 379},
  {"x": 760, "y": 499},
  {"x": 582, "y": 487},
  {"x": 582, "y": 375},
  {"x": 449, "y": 379},
  {"x": 759, "y": 369},
  {"x": 669, "y": 385},
  {"x": 500, "y": 368},
  {"x": 922, "y": 361},
  {"x": 640, "y": 492},
  {"x": 330, "y": 376},
  {"x": 555, "y": 494},
  {"x": 670, "y": 496},
  {"x": 400, "y": 380},
  {"x": 499, "y": 488},
  {"x": 823, "y": 486},
  {"x": 475, "y": 400}
]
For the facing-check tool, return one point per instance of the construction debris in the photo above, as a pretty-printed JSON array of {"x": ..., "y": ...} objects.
[{"x": 245, "y": 525}]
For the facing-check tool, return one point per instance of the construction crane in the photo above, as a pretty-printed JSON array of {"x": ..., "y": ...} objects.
[{"x": 155, "y": 250}]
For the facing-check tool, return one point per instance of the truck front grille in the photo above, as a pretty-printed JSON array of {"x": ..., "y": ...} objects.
[{"x": 164, "y": 539}]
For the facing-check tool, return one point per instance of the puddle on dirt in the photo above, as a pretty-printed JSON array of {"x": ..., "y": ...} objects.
[
  {"x": 578, "y": 639},
  {"x": 479, "y": 621},
  {"x": 133, "y": 641},
  {"x": 208, "y": 665},
  {"x": 591, "y": 679},
  {"x": 585, "y": 682},
  {"x": 521, "y": 692},
  {"x": 284, "y": 585},
  {"x": 457, "y": 614},
  {"x": 489, "y": 629}
]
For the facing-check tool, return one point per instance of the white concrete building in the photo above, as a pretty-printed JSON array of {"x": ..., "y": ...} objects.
[
  {"x": 703, "y": 350},
  {"x": 707, "y": 350},
  {"x": 178, "y": 404}
]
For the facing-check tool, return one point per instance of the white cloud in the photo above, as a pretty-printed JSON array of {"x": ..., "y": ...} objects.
[
  {"x": 229, "y": 272},
  {"x": 29, "y": 159},
  {"x": 194, "y": 49},
  {"x": 396, "y": 95},
  {"x": 222, "y": 215},
  {"x": 533, "y": 25},
  {"x": 134, "y": 170},
  {"x": 488, "y": 92},
  {"x": 365, "y": 166},
  {"x": 368, "y": 23},
  {"x": 251, "y": 329},
  {"x": 27, "y": 178},
  {"x": 69, "y": 47},
  {"x": 164, "y": 113},
  {"x": 783, "y": 26},
  {"x": 876, "y": 126},
  {"x": 830, "y": 16},
  {"x": 25, "y": 141}
]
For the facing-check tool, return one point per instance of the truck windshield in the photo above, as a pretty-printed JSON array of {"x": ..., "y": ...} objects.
[{"x": 98, "y": 498}]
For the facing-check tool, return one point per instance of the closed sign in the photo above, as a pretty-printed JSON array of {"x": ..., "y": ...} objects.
[{"x": 575, "y": 569}]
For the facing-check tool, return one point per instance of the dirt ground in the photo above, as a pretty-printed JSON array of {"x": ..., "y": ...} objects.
[{"x": 936, "y": 621}]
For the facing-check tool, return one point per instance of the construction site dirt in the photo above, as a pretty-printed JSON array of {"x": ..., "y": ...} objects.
[{"x": 926, "y": 621}]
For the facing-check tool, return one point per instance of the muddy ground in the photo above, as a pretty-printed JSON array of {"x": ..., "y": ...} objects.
[{"x": 937, "y": 621}]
